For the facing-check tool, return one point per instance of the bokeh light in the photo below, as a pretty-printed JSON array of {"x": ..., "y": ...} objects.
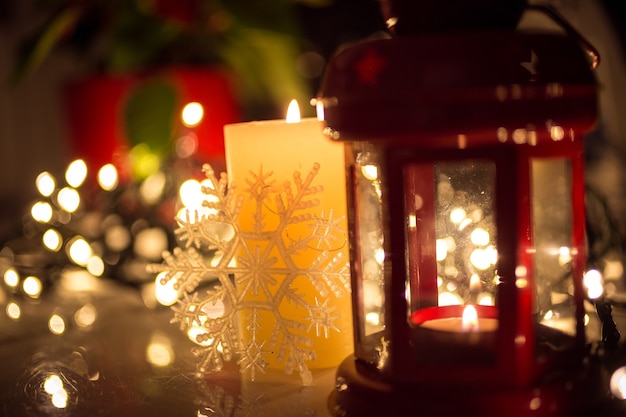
[
  {"x": 52, "y": 240},
  {"x": 45, "y": 183},
  {"x": 69, "y": 199},
  {"x": 108, "y": 177},
  {"x": 192, "y": 114},
  {"x": 32, "y": 286},
  {"x": 41, "y": 212},
  {"x": 76, "y": 173}
]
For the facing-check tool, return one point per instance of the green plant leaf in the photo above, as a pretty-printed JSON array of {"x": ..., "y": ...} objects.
[
  {"x": 265, "y": 64},
  {"x": 149, "y": 115},
  {"x": 34, "y": 50}
]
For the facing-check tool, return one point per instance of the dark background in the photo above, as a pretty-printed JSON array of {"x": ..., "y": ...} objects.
[{"x": 33, "y": 135}]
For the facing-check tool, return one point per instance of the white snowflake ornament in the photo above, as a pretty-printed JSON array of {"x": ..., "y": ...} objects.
[{"x": 262, "y": 276}]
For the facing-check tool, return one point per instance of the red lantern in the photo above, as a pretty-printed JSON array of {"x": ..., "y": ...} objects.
[{"x": 464, "y": 155}]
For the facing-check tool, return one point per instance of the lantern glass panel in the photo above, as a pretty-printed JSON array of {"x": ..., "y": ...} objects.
[
  {"x": 552, "y": 235},
  {"x": 370, "y": 253},
  {"x": 465, "y": 232},
  {"x": 452, "y": 257}
]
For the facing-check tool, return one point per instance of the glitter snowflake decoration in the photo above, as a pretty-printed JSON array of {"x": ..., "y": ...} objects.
[{"x": 247, "y": 314}]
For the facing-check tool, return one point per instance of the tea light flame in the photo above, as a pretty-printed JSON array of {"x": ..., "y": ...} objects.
[
  {"x": 293, "y": 112},
  {"x": 469, "y": 321}
]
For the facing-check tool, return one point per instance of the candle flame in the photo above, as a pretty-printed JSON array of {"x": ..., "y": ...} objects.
[
  {"x": 470, "y": 319},
  {"x": 293, "y": 112}
]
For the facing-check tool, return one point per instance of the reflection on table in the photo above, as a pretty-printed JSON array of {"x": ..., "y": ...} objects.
[{"x": 102, "y": 352}]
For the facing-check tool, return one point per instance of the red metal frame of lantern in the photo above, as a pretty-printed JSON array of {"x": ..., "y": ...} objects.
[{"x": 504, "y": 113}]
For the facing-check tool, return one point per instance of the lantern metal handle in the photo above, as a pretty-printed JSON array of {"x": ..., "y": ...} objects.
[{"x": 591, "y": 51}]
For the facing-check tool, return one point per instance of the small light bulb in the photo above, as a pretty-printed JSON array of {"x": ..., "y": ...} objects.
[
  {"x": 32, "y": 286},
  {"x": 42, "y": 212},
  {"x": 76, "y": 173},
  {"x": 108, "y": 177},
  {"x": 45, "y": 184},
  {"x": 56, "y": 324},
  {"x": 69, "y": 199},
  {"x": 192, "y": 114},
  {"x": 11, "y": 278},
  {"x": 13, "y": 311},
  {"x": 52, "y": 240},
  {"x": 79, "y": 251},
  {"x": 165, "y": 294}
]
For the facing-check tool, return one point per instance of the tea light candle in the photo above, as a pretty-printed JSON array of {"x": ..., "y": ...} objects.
[
  {"x": 447, "y": 319},
  {"x": 282, "y": 148},
  {"x": 455, "y": 333}
]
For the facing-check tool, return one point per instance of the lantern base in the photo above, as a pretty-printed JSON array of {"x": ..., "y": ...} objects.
[{"x": 361, "y": 392}]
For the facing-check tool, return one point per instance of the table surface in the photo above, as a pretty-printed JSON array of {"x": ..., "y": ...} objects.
[{"x": 131, "y": 361}]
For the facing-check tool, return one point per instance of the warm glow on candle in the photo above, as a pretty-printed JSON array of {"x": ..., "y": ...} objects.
[
  {"x": 470, "y": 319},
  {"x": 293, "y": 112},
  {"x": 291, "y": 149}
]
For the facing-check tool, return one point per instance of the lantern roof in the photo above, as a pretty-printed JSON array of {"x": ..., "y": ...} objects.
[{"x": 459, "y": 89}]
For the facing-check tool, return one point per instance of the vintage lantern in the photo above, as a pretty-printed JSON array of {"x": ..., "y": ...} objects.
[{"x": 464, "y": 157}]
